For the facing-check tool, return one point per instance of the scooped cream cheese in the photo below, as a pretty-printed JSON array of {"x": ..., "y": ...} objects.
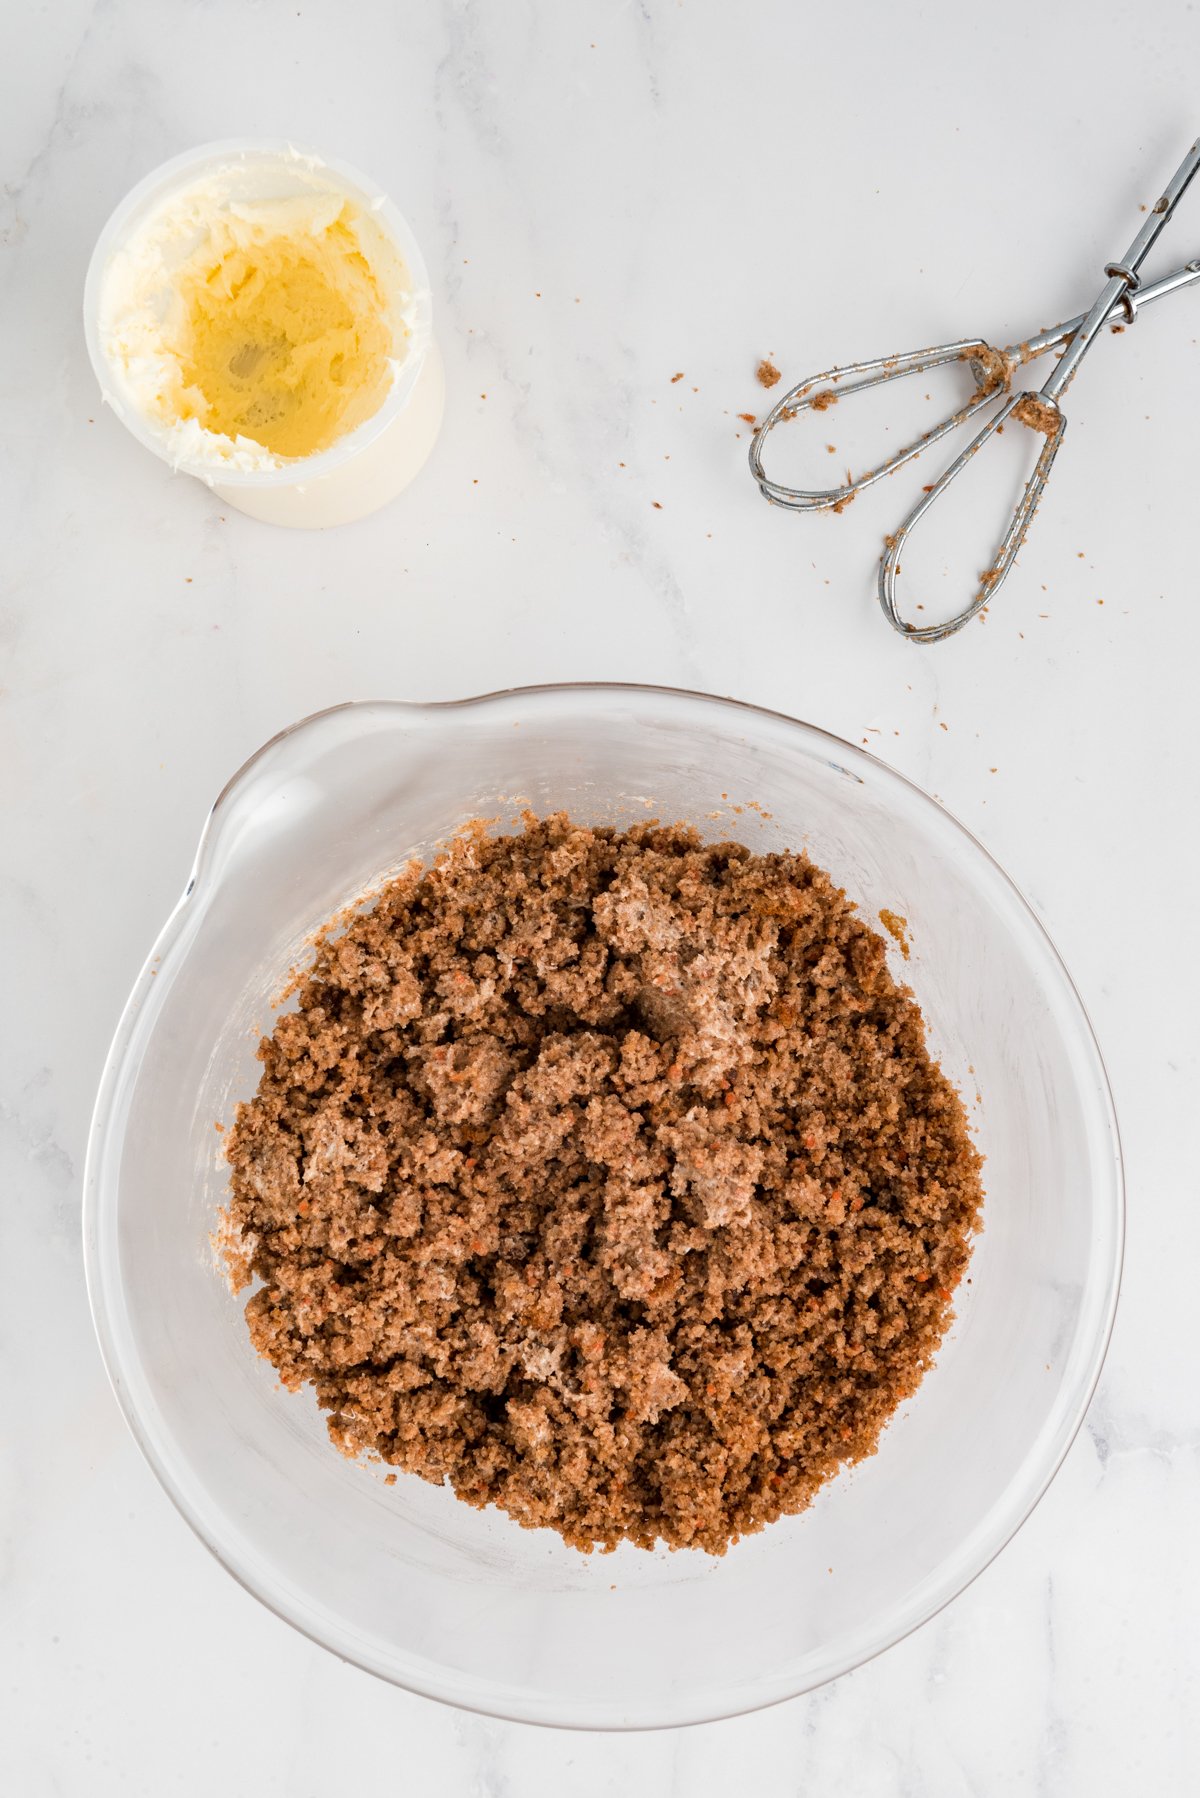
[{"x": 251, "y": 330}]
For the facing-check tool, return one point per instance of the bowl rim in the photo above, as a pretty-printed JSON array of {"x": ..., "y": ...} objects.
[{"x": 102, "y": 1119}]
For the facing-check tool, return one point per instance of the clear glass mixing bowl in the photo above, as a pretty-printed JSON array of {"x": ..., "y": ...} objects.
[{"x": 464, "y": 1605}]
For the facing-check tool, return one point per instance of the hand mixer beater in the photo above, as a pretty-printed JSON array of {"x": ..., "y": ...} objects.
[{"x": 993, "y": 370}]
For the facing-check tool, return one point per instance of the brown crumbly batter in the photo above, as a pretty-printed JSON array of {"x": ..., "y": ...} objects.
[
  {"x": 1038, "y": 414},
  {"x": 607, "y": 1176},
  {"x": 767, "y": 372},
  {"x": 991, "y": 368},
  {"x": 897, "y": 929}
]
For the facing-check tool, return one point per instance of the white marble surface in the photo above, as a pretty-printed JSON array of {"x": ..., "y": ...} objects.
[{"x": 607, "y": 194}]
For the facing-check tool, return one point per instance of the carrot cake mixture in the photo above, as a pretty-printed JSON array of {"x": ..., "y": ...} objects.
[{"x": 607, "y": 1176}]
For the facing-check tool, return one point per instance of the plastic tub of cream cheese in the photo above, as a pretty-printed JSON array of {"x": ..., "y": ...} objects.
[{"x": 260, "y": 317}]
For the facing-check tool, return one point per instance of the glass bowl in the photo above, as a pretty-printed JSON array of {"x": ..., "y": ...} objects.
[{"x": 464, "y": 1605}]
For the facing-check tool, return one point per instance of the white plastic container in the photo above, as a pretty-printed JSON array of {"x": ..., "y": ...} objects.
[{"x": 368, "y": 466}]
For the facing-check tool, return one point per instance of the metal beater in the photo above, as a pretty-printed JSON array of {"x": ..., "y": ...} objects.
[{"x": 993, "y": 370}]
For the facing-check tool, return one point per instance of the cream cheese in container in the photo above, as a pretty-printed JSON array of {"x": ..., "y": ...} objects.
[{"x": 260, "y": 317}]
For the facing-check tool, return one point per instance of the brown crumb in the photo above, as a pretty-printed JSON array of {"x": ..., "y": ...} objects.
[
  {"x": 607, "y": 1176},
  {"x": 657, "y": 504},
  {"x": 677, "y": 377},
  {"x": 767, "y": 373},
  {"x": 896, "y": 927},
  {"x": 748, "y": 418},
  {"x": 821, "y": 402},
  {"x": 991, "y": 368},
  {"x": 1038, "y": 414}
]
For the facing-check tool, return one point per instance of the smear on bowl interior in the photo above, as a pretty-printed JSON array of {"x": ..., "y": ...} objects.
[{"x": 606, "y": 1175}]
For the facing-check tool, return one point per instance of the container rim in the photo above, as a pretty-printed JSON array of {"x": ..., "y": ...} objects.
[{"x": 173, "y": 176}]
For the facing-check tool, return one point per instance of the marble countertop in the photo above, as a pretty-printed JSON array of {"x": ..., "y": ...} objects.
[{"x": 608, "y": 195}]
